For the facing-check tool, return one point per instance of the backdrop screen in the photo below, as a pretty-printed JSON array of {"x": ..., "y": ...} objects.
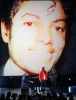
[{"x": 34, "y": 34}]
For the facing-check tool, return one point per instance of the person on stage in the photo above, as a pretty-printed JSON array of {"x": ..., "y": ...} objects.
[
  {"x": 24, "y": 84},
  {"x": 53, "y": 79},
  {"x": 43, "y": 78}
]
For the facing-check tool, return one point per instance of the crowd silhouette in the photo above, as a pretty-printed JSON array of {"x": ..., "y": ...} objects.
[{"x": 37, "y": 96}]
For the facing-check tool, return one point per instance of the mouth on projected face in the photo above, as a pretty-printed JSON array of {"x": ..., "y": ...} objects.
[
  {"x": 42, "y": 55},
  {"x": 52, "y": 50}
]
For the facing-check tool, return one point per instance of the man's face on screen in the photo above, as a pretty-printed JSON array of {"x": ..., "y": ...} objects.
[{"x": 37, "y": 35}]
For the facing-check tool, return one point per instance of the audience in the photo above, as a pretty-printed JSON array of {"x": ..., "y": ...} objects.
[
  {"x": 70, "y": 96},
  {"x": 36, "y": 97},
  {"x": 14, "y": 96},
  {"x": 61, "y": 96},
  {"x": 47, "y": 96},
  {"x": 2, "y": 97},
  {"x": 8, "y": 96}
]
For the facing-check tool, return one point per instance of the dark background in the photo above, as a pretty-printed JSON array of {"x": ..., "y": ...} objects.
[{"x": 69, "y": 65}]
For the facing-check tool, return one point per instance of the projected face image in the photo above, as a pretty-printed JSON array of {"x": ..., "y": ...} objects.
[{"x": 37, "y": 35}]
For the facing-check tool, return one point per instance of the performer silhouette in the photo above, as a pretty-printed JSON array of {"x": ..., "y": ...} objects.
[
  {"x": 43, "y": 78},
  {"x": 53, "y": 79}
]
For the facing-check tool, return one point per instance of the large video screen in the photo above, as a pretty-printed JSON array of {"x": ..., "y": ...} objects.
[{"x": 36, "y": 34}]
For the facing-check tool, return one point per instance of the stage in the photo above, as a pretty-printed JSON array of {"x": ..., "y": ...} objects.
[{"x": 66, "y": 84}]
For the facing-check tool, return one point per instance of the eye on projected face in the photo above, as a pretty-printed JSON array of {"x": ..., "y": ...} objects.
[
  {"x": 37, "y": 39},
  {"x": 28, "y": 24}
]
